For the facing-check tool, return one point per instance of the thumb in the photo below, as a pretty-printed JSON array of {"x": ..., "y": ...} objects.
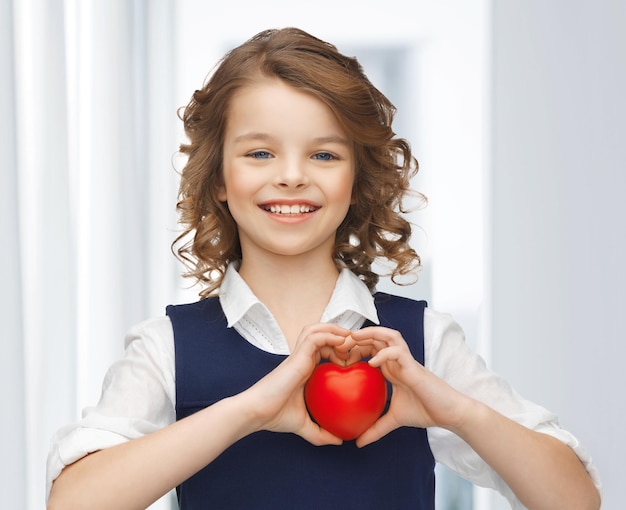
[
  {"x": 318, "y": 436},
  {"x": 380, "y": 428}
]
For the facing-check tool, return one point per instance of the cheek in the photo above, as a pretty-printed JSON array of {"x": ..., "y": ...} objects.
[
  {"x": 234, "y": 187},
  {"x": 343, "y": 191},
  {"x": 239, "y": 195}
]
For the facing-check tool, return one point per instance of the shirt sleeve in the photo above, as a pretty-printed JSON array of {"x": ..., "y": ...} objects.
[
  {"x": 447, "y": 355},
  {"x": 138, "y": 397}
]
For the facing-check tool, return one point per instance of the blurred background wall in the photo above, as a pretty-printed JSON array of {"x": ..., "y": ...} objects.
[
  {"x": 558, "y": 215},
  {"x": 515, "y": 110}
]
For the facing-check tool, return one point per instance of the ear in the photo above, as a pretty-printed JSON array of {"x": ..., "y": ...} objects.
[
  {"x": 220, "y": 189},
  {"x": 221, "y": 193}
]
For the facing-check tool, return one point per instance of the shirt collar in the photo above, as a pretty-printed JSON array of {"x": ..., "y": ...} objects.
[
  {"x": 350, "y": 294},
  {"x": 235, "y": 296}
]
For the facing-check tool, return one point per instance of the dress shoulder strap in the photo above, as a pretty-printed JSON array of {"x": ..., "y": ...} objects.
[{"x": 406, "y": 316}]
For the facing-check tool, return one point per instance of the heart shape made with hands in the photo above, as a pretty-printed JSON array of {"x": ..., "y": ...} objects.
[{"x": 346, "y": 401}]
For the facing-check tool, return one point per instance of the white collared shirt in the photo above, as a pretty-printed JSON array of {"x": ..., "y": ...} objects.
[
  {"x": 349, "y": 306},
  {"x": 139, "y": 390}
]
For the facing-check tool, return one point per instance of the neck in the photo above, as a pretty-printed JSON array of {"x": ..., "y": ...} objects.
[
  {"x": 275, "y": 275},
  {"x": 295, "y": 290}
]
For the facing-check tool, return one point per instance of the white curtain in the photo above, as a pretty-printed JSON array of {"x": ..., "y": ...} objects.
[
  {"x": 87, "y": 192},
  {"x": 13, "y": 423}
]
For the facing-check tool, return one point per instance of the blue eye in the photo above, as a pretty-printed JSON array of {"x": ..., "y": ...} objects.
[
  {"x": 324, "y": 156},
  {"x": 260, "y": 155}
]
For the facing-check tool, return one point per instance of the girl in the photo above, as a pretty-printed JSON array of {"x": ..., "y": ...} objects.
[{"x": 293, "y": 187}]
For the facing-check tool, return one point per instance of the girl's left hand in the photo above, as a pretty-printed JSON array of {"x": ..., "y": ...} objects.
[
  {"x": 419, "y": 399},
  {"x": 542, "y": 471}
]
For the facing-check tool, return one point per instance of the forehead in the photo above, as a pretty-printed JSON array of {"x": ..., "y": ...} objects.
[{"x": 270, "y": 103}]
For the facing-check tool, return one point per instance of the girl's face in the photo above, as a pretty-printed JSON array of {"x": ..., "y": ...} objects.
[{"x": 288, "y": 171}]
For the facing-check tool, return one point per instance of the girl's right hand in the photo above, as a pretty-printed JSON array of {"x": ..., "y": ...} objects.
[
  {"x": 276, "y": 402},
  {"x": 131, "y": 475}
]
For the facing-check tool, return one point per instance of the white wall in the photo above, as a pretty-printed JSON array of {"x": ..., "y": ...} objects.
[{"x": 559, "y": 216}]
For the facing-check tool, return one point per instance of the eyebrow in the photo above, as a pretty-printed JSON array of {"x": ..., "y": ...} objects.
[
  {"x": 253, "y": 136},
  {"x": 267, "y": 137},
  {"x": 332, "y": 139}
]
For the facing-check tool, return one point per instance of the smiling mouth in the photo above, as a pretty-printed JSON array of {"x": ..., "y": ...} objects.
[{"x": 289, "y": 209}]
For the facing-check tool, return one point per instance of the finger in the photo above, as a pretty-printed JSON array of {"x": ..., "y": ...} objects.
[
  {"x": 358, "y": 353},
  {"x": 380, "y": 428},
  {"x": 323, "y": 327},
  {"x": 394, "y": 353},
  {"x": 371, "y": 345},
  {"x": 347, "y": 345},
  {"x": 339, "y": 358},
  {"x": 377, "y": 334},
  {"x": 317, "y": 335},
  {"x": 345, "y": 353},
  {"x": 318, "y": 436},
  {"x": 345, "y": 358},
  {"x": 319, "y": 342}
]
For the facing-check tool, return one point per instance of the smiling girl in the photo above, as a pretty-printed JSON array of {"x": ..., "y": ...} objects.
[{"x": 292, "y": 188}]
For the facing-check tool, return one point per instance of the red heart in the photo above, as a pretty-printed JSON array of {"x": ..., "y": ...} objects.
[{"x": 346, "y": 401}]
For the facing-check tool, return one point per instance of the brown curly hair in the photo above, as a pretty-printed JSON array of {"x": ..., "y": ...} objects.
[{"x": 373, "y": 228}]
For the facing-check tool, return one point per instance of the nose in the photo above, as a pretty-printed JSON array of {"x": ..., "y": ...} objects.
[{"x": 292, "y": 174}]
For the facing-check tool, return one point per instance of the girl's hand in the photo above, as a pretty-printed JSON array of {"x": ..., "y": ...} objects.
[
  {"x": 132, "y": 475},
  {"x": 277, "y": 400},
  {"x": 541, "y": 471},
  {"x": 419, "y": 399}
]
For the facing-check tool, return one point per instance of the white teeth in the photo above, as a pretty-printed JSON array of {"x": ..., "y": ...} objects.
[{"x": 290, "y": 209}]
